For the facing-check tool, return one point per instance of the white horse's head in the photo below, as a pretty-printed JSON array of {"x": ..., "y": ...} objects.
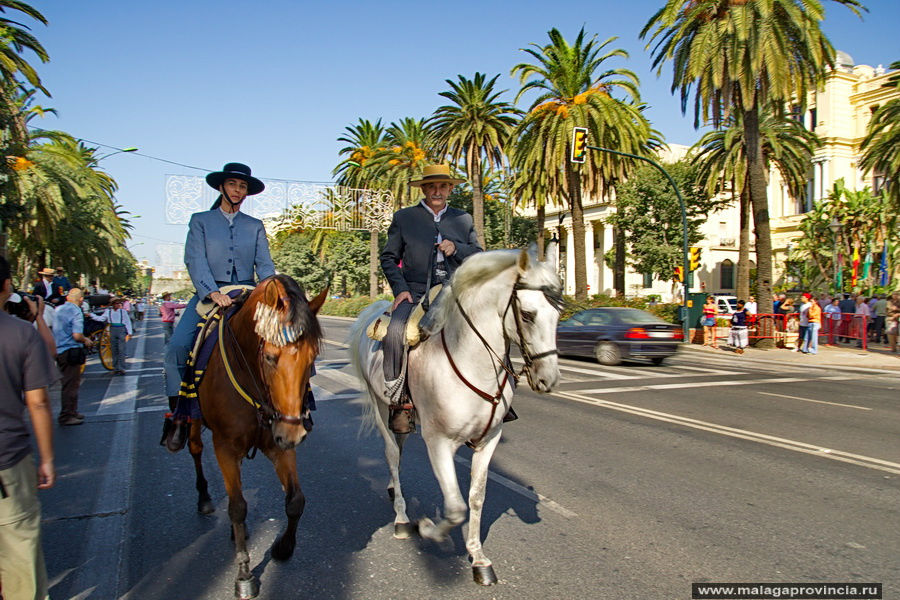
[
  {"x": 535, "y": 306},
  {"x": 523, "y": 292}
]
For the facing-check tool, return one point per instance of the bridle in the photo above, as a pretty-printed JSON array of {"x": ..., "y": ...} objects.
[
  {"x": 266, "y": 412},
  {"x": 554, "y": 298}
]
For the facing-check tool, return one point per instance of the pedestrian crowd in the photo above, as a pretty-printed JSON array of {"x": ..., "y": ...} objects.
[{"x": 845, "y": 319}]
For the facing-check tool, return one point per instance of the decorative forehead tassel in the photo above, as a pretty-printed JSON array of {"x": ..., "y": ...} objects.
[{"x": 270, "y": 327}]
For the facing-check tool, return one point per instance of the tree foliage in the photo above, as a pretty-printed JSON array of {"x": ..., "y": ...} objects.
[
  {"x": 881, "y": 146},
  {"x": 648, "y": 212},
  {"x": 867, "y": 222}
]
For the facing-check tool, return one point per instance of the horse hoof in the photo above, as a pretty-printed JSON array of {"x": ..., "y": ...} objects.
[
  {"x": 391, "y": 493},
  {"x": 246, "y": 588},
  {"x": 404, "y": 531},
  {"x": 206, "y": 507},
  {"x": 484, "y": 575}
]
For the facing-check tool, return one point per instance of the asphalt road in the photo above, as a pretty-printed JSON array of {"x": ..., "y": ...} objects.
[{"x": 627, "y": 482}]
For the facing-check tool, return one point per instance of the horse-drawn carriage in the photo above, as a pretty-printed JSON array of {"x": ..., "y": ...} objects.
[{"x": 98, "y": 332}]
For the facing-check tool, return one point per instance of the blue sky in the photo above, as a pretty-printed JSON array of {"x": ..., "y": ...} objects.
[{"x": 274, "y": 83}]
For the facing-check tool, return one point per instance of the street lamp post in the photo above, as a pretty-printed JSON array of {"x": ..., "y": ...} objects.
[{"x": 835, "y": 227}]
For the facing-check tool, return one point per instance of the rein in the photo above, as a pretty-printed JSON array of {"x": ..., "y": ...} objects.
[
  {"x": 555, "y": 299},
  {"x": 266, "y": 412}
]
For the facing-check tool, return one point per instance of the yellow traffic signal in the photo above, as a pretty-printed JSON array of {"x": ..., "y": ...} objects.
[
  {"x": 694, "y": 258},
  {"x": 679, "y": 274},
  {"x": 579, "y": 144}
]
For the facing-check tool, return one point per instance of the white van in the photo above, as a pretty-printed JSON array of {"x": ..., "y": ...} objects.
[{"x": 726, "y": 305}]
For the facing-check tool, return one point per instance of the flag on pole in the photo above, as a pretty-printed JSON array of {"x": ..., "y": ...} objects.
[
  {"x": 867, "y": 265},
  {"x": 883, "y": 267},
  {"x": 855, "y": 266}
]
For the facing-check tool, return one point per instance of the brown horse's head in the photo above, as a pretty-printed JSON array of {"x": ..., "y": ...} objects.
[{"x": 289, "y": 337}]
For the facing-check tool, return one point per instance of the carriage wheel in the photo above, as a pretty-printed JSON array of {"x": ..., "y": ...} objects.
[{"x": 106, "y": 357}]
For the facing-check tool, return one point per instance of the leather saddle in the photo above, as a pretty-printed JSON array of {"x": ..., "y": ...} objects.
[{"x": 377, "y": 329}]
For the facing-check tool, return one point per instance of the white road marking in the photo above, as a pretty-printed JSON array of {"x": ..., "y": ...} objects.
[
  {"x": 816, "y": 401},
  {"x": 338, "y": 344},
  {"x": 699, "y": 384},
  {"x": 523, "y": 491},
  {"x": 762, "y": 438},
  {"x": 633, "y": 373},
  {"x": 102, "y": 566}
]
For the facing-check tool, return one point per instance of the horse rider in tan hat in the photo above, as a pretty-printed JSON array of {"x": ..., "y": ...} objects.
[{"x": 430, "y": 240}]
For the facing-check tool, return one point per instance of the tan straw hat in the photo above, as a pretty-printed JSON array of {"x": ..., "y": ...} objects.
[
  {"x": 434, "y": 173},
  {"x": 46, "y": 271}
]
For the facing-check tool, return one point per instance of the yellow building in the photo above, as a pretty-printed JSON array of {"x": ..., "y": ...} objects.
[{"x": 839, "y": 113}]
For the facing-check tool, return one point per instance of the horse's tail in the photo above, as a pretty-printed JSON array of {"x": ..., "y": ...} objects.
[{"x": 357, "y": 359}]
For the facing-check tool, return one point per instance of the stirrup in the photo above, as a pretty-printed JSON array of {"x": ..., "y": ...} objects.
[
  {"x": 402, "y": 418},
  {"x": 510, "y": 415}
]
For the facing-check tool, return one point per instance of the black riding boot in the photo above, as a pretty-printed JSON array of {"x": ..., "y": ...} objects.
[{"x": 175, "y": 433}]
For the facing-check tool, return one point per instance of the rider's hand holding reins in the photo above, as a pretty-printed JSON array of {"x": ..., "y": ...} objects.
[
  {"x": 220, "y": 299},
  {"x": 447, "y": 247}
]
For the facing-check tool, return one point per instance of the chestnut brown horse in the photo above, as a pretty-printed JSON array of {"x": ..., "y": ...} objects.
[{"x": 253, "y": 396}]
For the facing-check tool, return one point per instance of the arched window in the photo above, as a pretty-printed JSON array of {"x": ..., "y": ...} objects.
[{"x": 726, "y": 271}]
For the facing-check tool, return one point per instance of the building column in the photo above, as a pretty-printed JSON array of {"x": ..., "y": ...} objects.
[
  {"x": 589, "y": 257},
  {"x": 606, "y": 283}
]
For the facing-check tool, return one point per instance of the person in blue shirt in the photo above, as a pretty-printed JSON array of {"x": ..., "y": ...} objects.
[
  {"x": 224, "y": 247},
  {"x": 70, "y": 356}
]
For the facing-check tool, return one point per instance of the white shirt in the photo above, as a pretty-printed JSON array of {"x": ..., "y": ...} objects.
[
  {"x": 114, "y": 316},
  {"x": 804, "y": 314},
  {"x": 750, "y": 307},
  {"x": 437, "y": 219}
]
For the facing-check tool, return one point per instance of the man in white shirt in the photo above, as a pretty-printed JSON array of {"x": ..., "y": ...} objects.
[
  {"x": 750, "y": 306},
  {"x": 119, "y": 332}
]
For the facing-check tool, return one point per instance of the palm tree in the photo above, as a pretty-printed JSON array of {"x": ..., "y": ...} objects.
[
  {"x": 365, "y": 139},
  {"x": 881, "y": 146},
  {"x": 409, "y": 148},
  {"x": 722, "y": 158},
  {"x": 476, "y": 126},
  {"x": 740, "y": 56},
  {"x": 575, "y": 89}
]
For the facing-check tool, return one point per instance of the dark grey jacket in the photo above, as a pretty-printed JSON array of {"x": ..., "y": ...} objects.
[{"x": 411, "y": 239}]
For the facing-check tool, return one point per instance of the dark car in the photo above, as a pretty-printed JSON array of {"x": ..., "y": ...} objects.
[{"x": 612, "y": 334}]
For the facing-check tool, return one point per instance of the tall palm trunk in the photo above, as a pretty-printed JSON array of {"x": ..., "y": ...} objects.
[
  {"x": 477, "y": 196},
  {"x": 619, "y": 261},
  {"x": 760, "y": 206},
  {"x": 541, "y": 218},
  {"x": 577, "y": 210},
  {"x": 743, "y": 270}
]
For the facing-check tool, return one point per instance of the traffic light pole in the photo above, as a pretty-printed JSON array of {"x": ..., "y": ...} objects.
[{"x": 684, "y": 235}]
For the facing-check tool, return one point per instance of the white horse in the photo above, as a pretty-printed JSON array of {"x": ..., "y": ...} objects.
[{"x": 461, "y": 379}]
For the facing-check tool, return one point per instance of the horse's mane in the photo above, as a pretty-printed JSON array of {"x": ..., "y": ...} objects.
[
  {"x": 281, "y": 328},
  {"x": 475, "y": 271}
]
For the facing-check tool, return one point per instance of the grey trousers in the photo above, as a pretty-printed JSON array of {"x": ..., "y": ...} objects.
[{"x": 117, "y": 345}]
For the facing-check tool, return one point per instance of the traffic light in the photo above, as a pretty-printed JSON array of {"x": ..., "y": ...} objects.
[
  {"x": 694, "y": 258},
  {"x": 579, "y": 144},
  {"x": 679, "y": 274}
]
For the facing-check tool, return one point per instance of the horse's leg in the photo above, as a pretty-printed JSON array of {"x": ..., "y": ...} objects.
[
  {"x": 204, "y": 502},
  {"x": 245, "y": 584},
  {"x": 393, "y": 448},
  {"x": 482, "y": 571},
  {"x": 440, "y": 453},
  {"x": 285, "y": 462}
]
